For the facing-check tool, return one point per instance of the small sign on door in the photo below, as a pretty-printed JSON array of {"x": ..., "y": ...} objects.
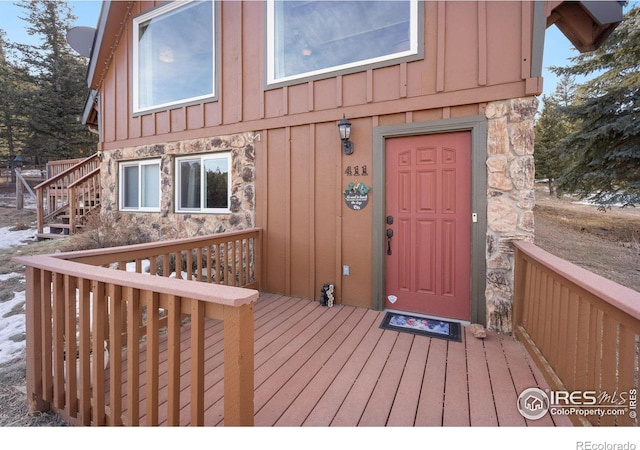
[{"x": 356, "y": 196}]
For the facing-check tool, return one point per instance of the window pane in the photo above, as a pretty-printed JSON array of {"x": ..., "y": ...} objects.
[
  {"x": 175, "y": 55},
  {"x": 311, "y": 36},
  {"x": 217, "y": 187},
  {"x": 190, "y": 185},
  {"x": 130, "y": 186},
  {"x": 150, "y": 186}
]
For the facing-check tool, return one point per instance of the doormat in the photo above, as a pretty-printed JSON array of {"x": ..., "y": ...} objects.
[{"x": 422, "y": 326}]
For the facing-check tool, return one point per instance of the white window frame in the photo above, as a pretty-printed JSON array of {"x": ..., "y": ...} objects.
[
  {"x": 178, "y": 183},
  {"x": 136, "y": 29},
  {"x": 139, "y": 164},
  {"x": 381, "y": 61}
]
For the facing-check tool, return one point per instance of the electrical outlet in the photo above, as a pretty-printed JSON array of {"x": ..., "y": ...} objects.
[{"x": 345, "y": 270}]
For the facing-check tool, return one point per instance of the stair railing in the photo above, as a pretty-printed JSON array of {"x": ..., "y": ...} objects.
[
  {"x": 54, "y": 194},
  {"x": 84, "y": 197}
]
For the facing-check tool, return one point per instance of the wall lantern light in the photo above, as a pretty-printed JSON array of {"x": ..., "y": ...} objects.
[{"x": 345, "y": 133}]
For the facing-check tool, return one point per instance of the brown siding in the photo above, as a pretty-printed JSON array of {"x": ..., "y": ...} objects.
[
  {"x": 276, "y": 217},
  {"x": 301, "y": 219},
  {"x": 467, "y": 45},
  {"x": 461, "y": 46},
  {"x": 474, "y": 54},
  {"x": 253, "y": 55},
  {"x": 231, "y": 61},
  {"x": 504, "y": 41}
]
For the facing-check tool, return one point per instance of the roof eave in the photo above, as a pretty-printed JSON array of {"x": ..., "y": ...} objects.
[
  {"x": 111, "y": 22},
  {"x": 587, "y": 24}
]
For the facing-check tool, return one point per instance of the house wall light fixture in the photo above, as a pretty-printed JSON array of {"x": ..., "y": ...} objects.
[{"x": 344, "y": 127}]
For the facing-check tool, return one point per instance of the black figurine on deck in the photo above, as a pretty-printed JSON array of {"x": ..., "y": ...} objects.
[{"x": 327, "y": 295}]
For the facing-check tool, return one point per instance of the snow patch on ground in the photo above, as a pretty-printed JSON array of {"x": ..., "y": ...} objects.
[
  {"x": 12, "y": 318},
  {"x": 12, "y": 328},
  {"x": 10, "y": 238}
]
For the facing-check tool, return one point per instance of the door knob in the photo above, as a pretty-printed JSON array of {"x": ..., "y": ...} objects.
[{"x": 389, "y": 236}]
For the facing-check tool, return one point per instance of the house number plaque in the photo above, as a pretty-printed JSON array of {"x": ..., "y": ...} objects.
[{"x": 356, "y": 196}]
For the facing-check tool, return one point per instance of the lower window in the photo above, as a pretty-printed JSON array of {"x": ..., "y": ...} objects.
[
  {"x": 203, "y": 183},
  {"x": 140, "y": 185}
]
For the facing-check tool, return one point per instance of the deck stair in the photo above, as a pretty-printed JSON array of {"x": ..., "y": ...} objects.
[{"x": 66, "y": 198}]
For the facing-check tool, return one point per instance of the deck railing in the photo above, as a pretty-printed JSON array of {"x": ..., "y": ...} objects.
[
  {"x": 88, "y": 325},
  {"x": 583, "y": 331},
  {"x": 62, "y": 192},
  {"x": 53, "y": 168}
]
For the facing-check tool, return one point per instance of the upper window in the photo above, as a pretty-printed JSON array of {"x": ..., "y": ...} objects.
[
  {"x": 308, "y": 39},
  {"x": 173, "y": 55},
  {"x": 203, "y": 183},
  {"x": 140, "y": 185}
]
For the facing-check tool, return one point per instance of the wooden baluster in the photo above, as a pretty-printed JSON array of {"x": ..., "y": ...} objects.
[
  {"x": 190, "y": 265},
  {"x": 98, "y": 360},
  {"x": 197, "y": 363},
  {"x": 115, "y": 354},
  {"x": 178, "y": 267},
  {"x": 210, "y": 272},
  {"x": 238, "y": 365},
  {"x": 84, "y": 298},
  {"x": 58, "y": 313},
  {"x": 173, "y": 351},
  {"x": 47, "y": 368},
  {"x": 34, "y": 345},
  {"x": 71, "y": 347},
  {"x": 234, "y": 263},
  {"x": 199, "y": 263},
  {"x": 132, "y": 297},
  {"x": 150, "y": 300}
]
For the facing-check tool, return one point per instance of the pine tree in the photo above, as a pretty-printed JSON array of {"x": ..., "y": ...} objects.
[
  {"x": 13, "y": 89},
  {"x": 606, "y": 145},
  {"x": 58, "y": 77},
  {"x": 551, "y": 128},
  {"x": 7, "y": 76}
]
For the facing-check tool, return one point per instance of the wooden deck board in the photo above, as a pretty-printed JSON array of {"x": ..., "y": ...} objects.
[
  {"x": 431, "y": 404},
  {"x": 352, "y": 408},
  {"x": 336, "y": 392},
  {"x": 504, "y": 392},
  {"x": 306, "y": 401},
  {"x": 456, "y": 393},
  {"x": 405, "y": 406},
  {"x": 283, "y": 385},
  {"x": 480, "y": 414},
  {"x": 318, "y": 366},
  {"x": 384, "y": 393}
]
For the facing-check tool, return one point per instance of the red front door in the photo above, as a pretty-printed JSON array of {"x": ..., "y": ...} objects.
[{"x": 428, "y": 209}]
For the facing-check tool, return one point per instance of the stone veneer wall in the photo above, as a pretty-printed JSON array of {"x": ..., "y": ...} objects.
[
  {"x": 510, "y": 199},
  {"x": 169, "y": 225}
]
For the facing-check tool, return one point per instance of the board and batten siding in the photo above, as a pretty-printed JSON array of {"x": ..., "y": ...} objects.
[{"x": 474, "y": 53}]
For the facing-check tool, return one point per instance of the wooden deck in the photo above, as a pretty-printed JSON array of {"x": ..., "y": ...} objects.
[{"x": 319, "y": 366}]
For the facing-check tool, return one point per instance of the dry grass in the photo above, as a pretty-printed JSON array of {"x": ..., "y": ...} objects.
[
  {"x": 112, "y": 231},
  {"x": 603, "y": 224},
  {"x": 13, "y": 404},
  {"x": 604, "y": 242}
]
